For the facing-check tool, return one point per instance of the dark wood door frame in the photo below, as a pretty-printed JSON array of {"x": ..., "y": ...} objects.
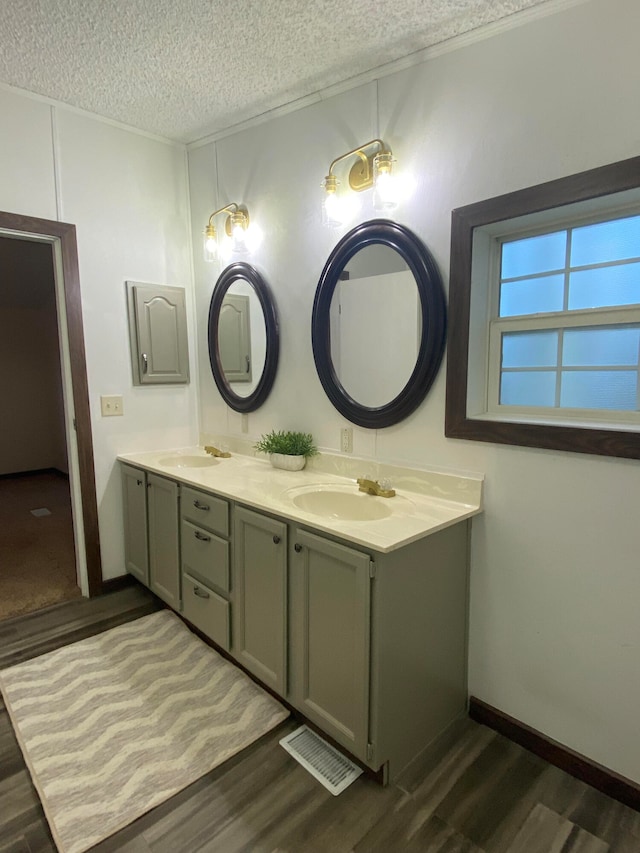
[{"x": 66, "y": 235}]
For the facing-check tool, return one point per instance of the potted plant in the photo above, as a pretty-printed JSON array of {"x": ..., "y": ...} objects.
[{"x": 289, "y": 450}]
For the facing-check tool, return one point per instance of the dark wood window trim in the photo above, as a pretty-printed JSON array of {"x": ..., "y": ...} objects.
[
  {"x": 66, "y": 234},
  {"x": 595, "y": 183}
]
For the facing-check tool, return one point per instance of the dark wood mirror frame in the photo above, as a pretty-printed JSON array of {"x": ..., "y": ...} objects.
[
  {"x": 245, "y": 272},
  {"x": 433, "y": 310}
]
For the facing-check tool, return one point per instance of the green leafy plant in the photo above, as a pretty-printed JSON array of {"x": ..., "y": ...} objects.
[{"x": 287, "y": 443}]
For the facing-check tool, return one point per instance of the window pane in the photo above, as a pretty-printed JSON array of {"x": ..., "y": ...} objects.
[
  {"x": 534, "y": 254},
  {"x": 606, "y": 241},
  {"x": 600, "y": 389},
  {"x": 532, "y": 295},
  {"x": 606, "y": 286},
  {"x": 530, "y": 349},
  {"x": 594, "y": 347},
  {"x": 533, "y": 388}
]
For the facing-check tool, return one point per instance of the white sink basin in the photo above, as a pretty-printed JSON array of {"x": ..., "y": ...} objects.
[
  {"x": 344, "y": 503},
  {"x": 188, "y": 461}
]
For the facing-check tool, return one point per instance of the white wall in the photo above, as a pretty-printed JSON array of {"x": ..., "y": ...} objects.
[
  {"x": 127, "y": 195},
  {"x": 555, "y": 576}
]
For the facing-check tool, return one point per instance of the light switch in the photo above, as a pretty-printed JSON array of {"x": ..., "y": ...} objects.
[{"x": 111, "y": 406}]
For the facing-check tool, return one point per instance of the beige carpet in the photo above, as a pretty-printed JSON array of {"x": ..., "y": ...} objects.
[
  {"x": 37, "y": 557},
  {"x": 115, "y": 724}
]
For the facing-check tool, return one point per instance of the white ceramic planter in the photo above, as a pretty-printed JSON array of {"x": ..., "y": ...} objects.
[{"x": 288, "y": 463}]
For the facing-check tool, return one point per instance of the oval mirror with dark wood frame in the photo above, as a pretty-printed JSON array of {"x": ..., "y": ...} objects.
[
  {"x": 379, "y": 324},
  {"x": 243, "y": 337}
]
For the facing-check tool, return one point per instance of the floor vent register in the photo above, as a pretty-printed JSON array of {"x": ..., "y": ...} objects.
[{"x": 330, "y": 767}]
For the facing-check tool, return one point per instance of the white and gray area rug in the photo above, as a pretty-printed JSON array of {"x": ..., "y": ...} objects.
[{"x": 115, "y": 724}]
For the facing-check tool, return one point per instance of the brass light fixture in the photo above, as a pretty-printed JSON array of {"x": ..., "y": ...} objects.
[
  {"x": 235, "y": 227},
  {"x": 374, "y": 169}
]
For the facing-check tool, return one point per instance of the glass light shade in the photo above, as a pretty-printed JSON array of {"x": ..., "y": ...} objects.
[
  {"x": 239, "y": 225},
  {"x": 330, "y": 202},
  {"x": 210, "y": 245},
  {"x": 385, "y": 183},
  {"x": 332, "y": 209},
  {"x": 239, "y": 239},
  {"x": 337, "y": 209}
]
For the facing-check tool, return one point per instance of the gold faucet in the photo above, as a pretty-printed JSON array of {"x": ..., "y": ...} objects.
[
  {"x": 373, "y": 487},
  {"x": 213, "y": 451}
]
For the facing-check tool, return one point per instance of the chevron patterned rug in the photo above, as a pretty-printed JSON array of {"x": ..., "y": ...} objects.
[{"x": 115, "y": 724}]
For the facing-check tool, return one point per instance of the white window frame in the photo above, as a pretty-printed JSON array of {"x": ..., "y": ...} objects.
[{"x": 613, "y": 316}]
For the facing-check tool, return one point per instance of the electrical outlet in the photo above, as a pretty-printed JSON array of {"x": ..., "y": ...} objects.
[
  {"x": 111, "y": 406},
  {"x": 346, "y": 440}
]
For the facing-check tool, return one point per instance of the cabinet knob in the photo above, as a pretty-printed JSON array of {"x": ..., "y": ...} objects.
[
  {"x": 200, "y": 592},
  {"x": 139, "y": 482},
  {"x": 276, "y": 539},
  {"x": 297, "y": 547}
]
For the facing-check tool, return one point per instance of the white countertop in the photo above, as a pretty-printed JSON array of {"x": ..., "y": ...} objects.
[{"x": 435, "y": 500}]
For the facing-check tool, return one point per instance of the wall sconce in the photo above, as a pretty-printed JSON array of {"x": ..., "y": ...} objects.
[
  {"x": 236, "y": 226},
  {"x": 370, "y": 170}
]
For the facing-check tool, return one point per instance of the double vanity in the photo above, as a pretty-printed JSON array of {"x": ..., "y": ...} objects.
[{"x": 350, "y": 606}]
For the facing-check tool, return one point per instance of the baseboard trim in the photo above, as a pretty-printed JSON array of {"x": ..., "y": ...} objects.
[
  {"x": 116, "y": 584},
  {"x": 618, "y": 787}
]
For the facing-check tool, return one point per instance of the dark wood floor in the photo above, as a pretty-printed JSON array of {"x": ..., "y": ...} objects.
[{"x": 481, "y": 792}]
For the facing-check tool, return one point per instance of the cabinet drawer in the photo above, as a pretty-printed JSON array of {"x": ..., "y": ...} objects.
[
  {"x": 206, "y": 610},
  {"x": 205, "y": 556},
  {"x": 205, "y": 510}
]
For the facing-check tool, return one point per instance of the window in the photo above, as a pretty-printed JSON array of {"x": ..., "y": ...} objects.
[{"x": 544, "y": 320}]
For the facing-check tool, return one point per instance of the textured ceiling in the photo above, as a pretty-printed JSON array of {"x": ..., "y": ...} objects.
[{"x": 186, "y": 68}]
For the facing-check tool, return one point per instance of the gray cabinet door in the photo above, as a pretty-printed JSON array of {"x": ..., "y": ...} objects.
[
  {"x": 260, "y": 602},
  {"x": 134, "y": 504},
  {"x": 330, "y": 638},
  {"x": 158, "y": 334},
  {"x": 164, "y": 542}
]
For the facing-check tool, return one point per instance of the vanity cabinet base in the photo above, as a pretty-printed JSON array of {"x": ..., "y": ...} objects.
[
  {"x": 260, "y": 611},
  {"x": 329, "y": 645},
  {"x": 370, "y": 647},
  {"x": 419, "y": 645},
  {"x": 378, "y": 643},
  {"x": 207, "y": 610},
  {"x": 134, "y": 506},
  {"x": 164, "y": 539}
]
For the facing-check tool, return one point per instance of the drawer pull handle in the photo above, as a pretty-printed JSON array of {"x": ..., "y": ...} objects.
[
  {"x": 198, "y": 505},
  {"x": 276, "y": 540},
  {"x": 201, "y": 536},
  {"x": 297, "y": 548},
  {"x": 200, "y": 592}
]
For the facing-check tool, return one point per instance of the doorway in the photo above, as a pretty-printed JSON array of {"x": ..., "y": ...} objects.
[{"x": 47, "y": 430}]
